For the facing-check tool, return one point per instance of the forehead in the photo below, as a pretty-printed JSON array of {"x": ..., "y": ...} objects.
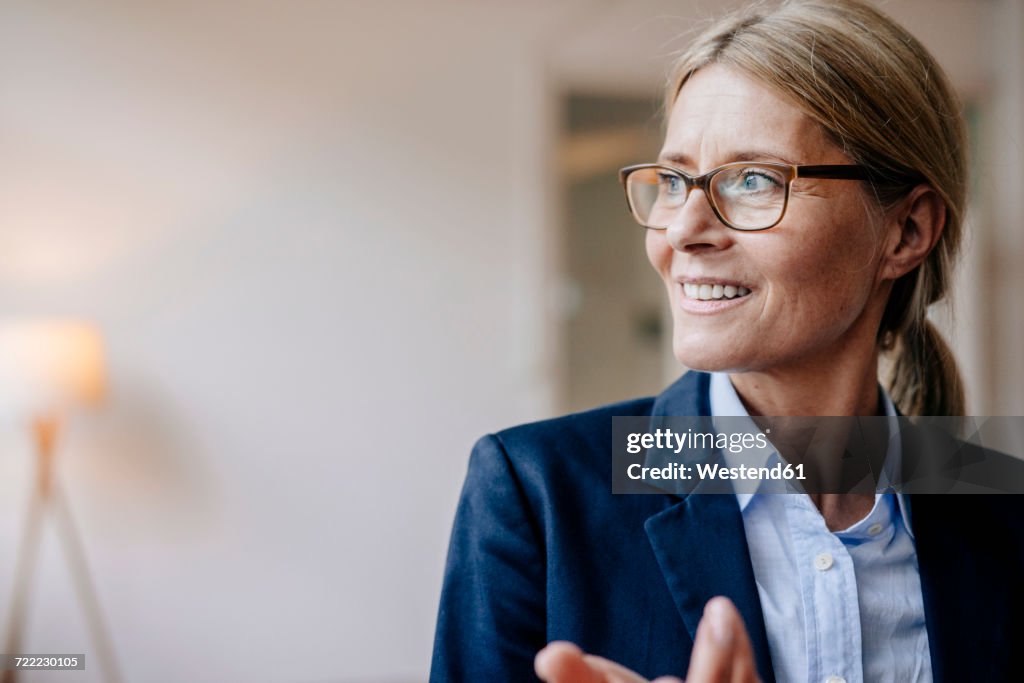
[{"x": 721, "y": 115}]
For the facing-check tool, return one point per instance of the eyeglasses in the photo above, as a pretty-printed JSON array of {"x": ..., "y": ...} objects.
[{"x": 744, "y": 195}]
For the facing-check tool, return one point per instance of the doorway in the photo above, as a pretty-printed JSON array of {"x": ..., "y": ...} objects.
[{"x": 615, "y": 328}]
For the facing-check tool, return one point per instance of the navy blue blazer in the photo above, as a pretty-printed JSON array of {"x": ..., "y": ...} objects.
[{"x": 541, "y": 550}]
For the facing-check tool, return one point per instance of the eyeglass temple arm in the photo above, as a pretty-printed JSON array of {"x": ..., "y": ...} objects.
[{"x": 833, "y": 172}]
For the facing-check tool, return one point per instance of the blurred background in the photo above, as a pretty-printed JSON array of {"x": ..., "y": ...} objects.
[{"x": 330, "y": 244}]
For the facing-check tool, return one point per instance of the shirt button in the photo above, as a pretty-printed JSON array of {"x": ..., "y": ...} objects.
[
  {"x": 875, "y": 529},
  {"x": 823, "y": 562},
  {"x": 835, "y": 679}
]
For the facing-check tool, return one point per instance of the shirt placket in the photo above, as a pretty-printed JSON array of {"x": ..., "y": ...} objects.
[{"x": 828, "y": 589}]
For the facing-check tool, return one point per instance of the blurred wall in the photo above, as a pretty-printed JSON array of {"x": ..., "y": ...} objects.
[
  {"x": 320, "y": 238},
  {"x": 313, "y": 234},
  {"x": 999, "y": 239}
]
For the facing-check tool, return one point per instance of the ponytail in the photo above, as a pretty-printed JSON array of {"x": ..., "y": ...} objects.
[{"x": 923, "y": 378}]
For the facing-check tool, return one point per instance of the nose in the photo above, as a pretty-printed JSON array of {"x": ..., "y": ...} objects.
[{"x": 695, "y": 226}]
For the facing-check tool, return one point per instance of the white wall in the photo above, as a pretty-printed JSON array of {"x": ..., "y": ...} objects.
[{"x": 313, "y": 234}]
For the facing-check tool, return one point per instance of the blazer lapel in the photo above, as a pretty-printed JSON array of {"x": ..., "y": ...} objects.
[
  {"x": 700, "y": 542},
  {"x": 702, "y": 551}
]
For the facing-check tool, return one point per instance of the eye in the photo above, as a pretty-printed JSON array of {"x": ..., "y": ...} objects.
[
  {"x": 757, "y": 180},
  {"x": 669, "y": 183}
]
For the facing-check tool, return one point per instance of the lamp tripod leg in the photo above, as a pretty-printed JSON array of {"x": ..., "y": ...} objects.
[
  {"x": 75, "y": 553},
  {"x": 48, "y": 493},
  {"x": 24, "y": 572}
]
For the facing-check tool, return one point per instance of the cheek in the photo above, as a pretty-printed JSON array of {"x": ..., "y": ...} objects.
[
  {"x": 834, "y": 271},
  {"x": 659, "y": 252}
]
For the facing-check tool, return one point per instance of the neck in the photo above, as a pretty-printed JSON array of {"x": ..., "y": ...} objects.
[
  {"x": 840, "y": 382},
  {"x": 846, "y": 384},
  {"x": 847, "y": 387}
]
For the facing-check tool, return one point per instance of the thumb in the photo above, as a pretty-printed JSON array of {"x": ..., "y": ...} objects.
[{"x": 563, "y": 662}]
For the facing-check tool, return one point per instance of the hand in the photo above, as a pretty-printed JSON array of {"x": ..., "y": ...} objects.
[{"x": 721, "y": 654}]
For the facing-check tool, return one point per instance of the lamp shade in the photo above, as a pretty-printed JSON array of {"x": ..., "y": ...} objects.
[{"x": 49, "y": 365}]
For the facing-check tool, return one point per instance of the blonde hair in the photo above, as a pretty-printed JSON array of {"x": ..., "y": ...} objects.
[{"x": 879, "y": 95}]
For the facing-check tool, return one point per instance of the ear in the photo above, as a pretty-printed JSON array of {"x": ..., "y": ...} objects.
[{"x": 914, "y": 227}]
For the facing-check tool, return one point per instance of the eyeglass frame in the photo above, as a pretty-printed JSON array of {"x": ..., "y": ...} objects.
[{"x": 703, "y": 182}]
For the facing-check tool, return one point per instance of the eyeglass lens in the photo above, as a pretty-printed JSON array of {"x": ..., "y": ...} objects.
[{"x": 747, "y": 196}]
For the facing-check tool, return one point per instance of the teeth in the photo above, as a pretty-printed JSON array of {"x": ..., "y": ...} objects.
[{"x": 706, "y": 292}]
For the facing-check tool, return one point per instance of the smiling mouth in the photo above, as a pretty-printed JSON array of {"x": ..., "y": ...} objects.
[{"x": 711, "y": 292}]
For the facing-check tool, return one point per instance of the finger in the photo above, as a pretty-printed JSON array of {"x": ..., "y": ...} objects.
[
  {"x": 562, "y": 662},
  {"x": 722, "y": 652},
  {"x": 667, "y": 679},
  {"x": 614, "y": 673},
  {"x": 744, "y": 666},
  {"x": 711, "y": 660}
]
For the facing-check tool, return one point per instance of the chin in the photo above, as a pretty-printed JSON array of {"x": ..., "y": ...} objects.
[{"x": 709, "y": 357}]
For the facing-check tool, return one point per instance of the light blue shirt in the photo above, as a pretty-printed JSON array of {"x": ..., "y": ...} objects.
[{"x": 839, "y": 607}]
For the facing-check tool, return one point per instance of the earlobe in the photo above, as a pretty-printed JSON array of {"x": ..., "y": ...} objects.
[{"x": 920, "y": 219}]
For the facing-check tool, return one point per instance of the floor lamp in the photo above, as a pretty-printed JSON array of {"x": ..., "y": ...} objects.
[{"x": 48, "y": 368}]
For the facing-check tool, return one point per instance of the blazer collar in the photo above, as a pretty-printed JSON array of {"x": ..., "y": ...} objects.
[
  {"x": 700, "y": 542},
  {"x": 688, "y": 395}
]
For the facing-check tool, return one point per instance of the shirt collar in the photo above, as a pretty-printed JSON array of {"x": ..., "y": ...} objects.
[{"x": 726, "y": 402}]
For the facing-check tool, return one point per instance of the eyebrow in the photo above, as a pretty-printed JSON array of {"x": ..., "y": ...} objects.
[{"x": 683, "y": 160}]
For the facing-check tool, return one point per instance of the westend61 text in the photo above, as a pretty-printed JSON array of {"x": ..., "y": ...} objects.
[
  {"x": 666, "y": 439},
  {"x": 715, "y": 471}
]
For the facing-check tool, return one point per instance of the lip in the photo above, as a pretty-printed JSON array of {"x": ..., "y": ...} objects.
[
  {"x": 709, "y": 306},
  {"x": 711, "y": 281}
]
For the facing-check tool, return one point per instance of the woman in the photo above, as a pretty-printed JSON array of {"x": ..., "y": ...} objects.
[{"x": 805, "y": 211}]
